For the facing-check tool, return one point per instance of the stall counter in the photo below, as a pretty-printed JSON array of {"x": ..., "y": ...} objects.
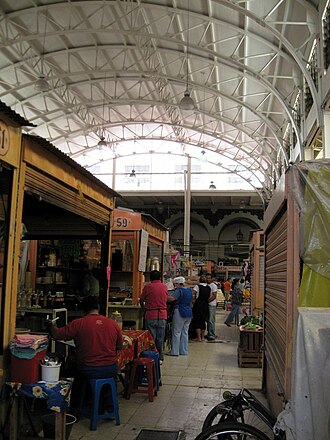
[{"x": 128, "y": 313}]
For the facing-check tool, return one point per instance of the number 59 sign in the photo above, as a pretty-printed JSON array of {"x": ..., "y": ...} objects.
[{"x": 123, "y": 220}]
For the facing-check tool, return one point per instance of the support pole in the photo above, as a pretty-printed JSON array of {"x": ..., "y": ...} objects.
[
  {"x": 187, "y": 204},
  {"x": 326, "y": 134}
]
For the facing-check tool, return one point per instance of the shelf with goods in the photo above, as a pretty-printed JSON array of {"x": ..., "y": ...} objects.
[
  {"x": 225, "y": 272},
  {"x": 60, "y": 273},
  {"x": 137, "y": 247},
  {"x": 34, "y": 319}
]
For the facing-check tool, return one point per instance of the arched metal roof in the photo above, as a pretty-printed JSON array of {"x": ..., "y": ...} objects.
[{"x": 118, "y": 69}]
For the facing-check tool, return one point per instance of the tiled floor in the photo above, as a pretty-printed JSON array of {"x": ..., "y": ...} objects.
[{"x": 191, "y": 386}]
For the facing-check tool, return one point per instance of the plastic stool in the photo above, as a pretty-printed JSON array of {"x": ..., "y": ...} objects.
[
  {"x": 151, "y": 388},
  {"x": 96, "y": 385},
  {"x": 155, "y": 356}
]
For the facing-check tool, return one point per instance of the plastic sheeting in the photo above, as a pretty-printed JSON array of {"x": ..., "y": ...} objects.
[
  {"x": 311, "y": 190},
  {"x": 310, "y": 399}
]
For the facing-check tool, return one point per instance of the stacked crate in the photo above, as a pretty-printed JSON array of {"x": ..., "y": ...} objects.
[{"x": 249, "y": 349}]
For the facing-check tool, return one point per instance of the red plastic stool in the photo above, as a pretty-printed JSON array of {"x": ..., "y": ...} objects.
[{"x": 134, "y": 386}]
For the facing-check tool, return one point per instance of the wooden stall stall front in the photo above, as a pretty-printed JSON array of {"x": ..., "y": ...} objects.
[
  {"x": 10, "y": 224},
  {"x": 66, "y": 213},
  {"x": 137, "y": 247},
  {"x": 257, "y": 260}
]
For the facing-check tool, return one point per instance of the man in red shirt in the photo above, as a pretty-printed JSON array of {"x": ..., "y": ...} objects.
[
  {"x": 154, "y": 300},
  {"x": 97, "y": 340}
]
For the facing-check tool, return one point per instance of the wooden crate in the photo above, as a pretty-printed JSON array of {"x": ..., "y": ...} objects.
[
  {"x": 248, "y": 359},
  {"x": 250, "y": 341}
]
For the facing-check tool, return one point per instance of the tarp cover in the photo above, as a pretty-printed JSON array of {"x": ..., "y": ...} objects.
[
  {"x": 309, "y": 414},
  {"x": 311, "y": 190}
]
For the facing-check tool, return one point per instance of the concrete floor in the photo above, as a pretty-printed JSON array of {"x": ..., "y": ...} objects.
[{"x": 191, "y": 386}]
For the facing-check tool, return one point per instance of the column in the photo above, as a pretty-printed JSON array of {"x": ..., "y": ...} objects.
[
  {"x": 326, "y": 134},
  {"x": 187, "y": 203},
  {"x": 114, "y": 163}
]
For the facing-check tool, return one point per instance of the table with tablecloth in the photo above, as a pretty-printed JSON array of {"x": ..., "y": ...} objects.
[
  {"x": 141, "y": 340},
  {"x": 56, "y": 395}
]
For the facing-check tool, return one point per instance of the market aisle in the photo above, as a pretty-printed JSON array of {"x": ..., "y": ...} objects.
[{"x": 191, "y": 386}]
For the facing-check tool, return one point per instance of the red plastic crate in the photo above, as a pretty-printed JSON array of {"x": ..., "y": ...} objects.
[{"x": 26, "y": 370}]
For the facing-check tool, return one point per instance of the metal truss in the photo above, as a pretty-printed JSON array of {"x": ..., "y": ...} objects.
[{"x": 115, "y": 65}]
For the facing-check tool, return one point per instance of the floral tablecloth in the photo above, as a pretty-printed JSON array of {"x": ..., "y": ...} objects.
[
  {"x": 141, "y": 340},
  {"x": 56, "y": 394}
]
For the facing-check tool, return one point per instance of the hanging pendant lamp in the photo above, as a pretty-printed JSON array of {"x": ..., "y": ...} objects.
[
  {"x": 239, "y": 235},
  {"x": 187, "y": 102},
  {"x": 102, "y": 142},
  {"x": 42, "y": 85}
]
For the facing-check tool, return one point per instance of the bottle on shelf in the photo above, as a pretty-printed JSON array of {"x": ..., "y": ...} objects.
[
  {"x": 28, "y": 300},
  {"x": 52, "y": 258},
  {"x": 23, "y": 299},
  {"x": 116, "y": 316},
  {"x": 49, "y": 300},
  {"x": 41, "y": 298}
]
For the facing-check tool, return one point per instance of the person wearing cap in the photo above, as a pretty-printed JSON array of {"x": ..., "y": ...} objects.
[{"x": 181, "y": 318}]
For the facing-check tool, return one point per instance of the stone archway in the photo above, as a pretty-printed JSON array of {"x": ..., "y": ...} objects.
[
  {"x": 234, "y": 236},
  {"x": 199, "y": 236}
]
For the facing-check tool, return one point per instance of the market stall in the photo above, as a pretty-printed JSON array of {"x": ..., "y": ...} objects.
[
  {"x": 10, "y": 225},
  {"x": 137, "y": 247},
  {"x": 65, "y": 247}
]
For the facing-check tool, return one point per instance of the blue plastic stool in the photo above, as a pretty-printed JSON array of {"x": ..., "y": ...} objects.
[
  {"x": 155, "y": 356},
  {"x": 96, "y": 385}
]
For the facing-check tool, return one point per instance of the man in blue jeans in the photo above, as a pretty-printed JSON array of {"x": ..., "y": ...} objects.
[
  {"x": 212, "y": 309},
  {"x": 154, "y": 300},
  {"x": 97, "y": 340}
]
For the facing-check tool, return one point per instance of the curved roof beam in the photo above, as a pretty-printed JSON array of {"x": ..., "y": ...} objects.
[
  {"x": 199, "y": 129},
  {"x": 189, "y": 141},
  {"x": 227, "y": 169},
  {"x": 139, "y": 77},
  {"x": 176, "y": 13}
]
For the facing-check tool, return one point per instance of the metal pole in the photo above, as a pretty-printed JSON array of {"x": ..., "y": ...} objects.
[
  {"x": 114, "y": 163},
  {"x": 187, "y": 204}
]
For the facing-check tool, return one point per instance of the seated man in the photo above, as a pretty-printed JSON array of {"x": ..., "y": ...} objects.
[{"x": 97, "y": 340}]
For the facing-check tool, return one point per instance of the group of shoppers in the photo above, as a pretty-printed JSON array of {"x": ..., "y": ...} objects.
[
  {"x": 97, "y": 338},
  {"x": 155, "y": 298},
  {"x": 193, "y": 308},
  {"x": 204, "y": 308}
]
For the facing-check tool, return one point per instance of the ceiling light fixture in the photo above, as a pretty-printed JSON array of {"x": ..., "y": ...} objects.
[
  {"x": 42, "y": 85},
  {"x": 202, "y": 157},
  {"x": 102, "y": 142},
  {"x": 187, "y": 102},
  {"x": 239, "y": 235},
  {"x": 212, "y": 186}
]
